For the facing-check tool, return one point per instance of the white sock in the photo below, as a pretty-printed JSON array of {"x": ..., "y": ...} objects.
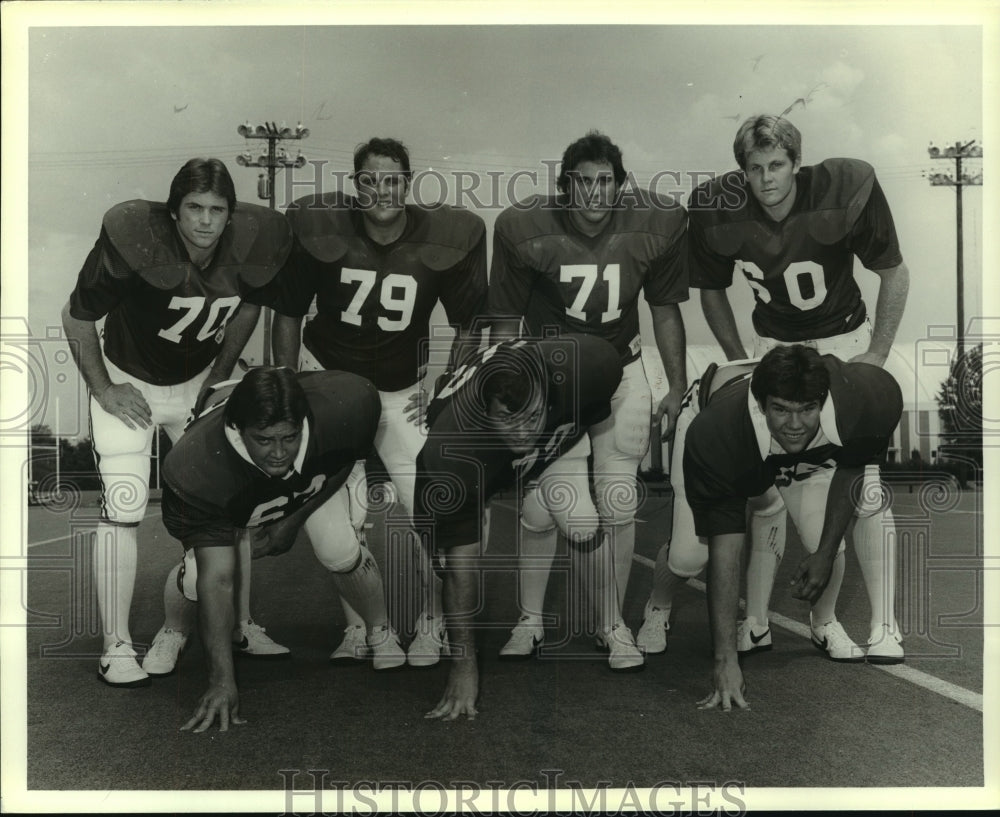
[
  {"x": 767, "y": 546},
  {"x": 114, "y": 579},
  {"x": 875, "y": 543}
]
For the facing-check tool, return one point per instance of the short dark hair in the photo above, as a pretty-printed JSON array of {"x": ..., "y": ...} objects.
[
  {"x": 765, "y": 131},
  {"x": 795, "y": 373},
  {"x": 202, "y": 176},
  {"x": 594, "y": 147},
  {"x": 391, "y": 148},
  {"x": 265, "y": 396}
]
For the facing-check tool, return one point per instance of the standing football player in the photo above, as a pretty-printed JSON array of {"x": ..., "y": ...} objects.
[
  {"x": 515, "y": 416},
  {"x": 808, "y": 425},
  {"x": 577, "y": 262},
  {"x": 377, "y": 267},
  {"x": 180, "y": 285},
  {"x": 793, "y": 231},
  {"x": 256, "y": 468}
]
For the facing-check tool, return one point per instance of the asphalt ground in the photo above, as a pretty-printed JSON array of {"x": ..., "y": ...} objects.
[{"x": 559, "y": 722}]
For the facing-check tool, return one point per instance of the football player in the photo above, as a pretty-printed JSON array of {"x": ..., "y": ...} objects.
[
  {"x": 258, "y": 467},
  {"x": 180, "y": 285},
  {"x": 377, "y": 267},
  {"x": 515, "y": 416},
  {"x": 808, "y": 425},
  {"x": 793, "y": 232},
  {"x": 578, "y": 262}
]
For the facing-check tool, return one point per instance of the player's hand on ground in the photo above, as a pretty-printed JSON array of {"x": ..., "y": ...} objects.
[
  {"x": 460, "y": 695},
  {"x": 416, "y": 408},
  {"x": 811, "y": 577},
  {"x": 221, "y": 701},
  {"x": 669, "y": 408},
  {"x": 730, "y": 687},
  {"x": 125, "y": 401},
  {"x": 272, "y": 540},
  {"x": 874, "y": 358}
]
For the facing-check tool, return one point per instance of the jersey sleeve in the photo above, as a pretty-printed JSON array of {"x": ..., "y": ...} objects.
[
  {"x": 464, "y": 294},
  {"x": 103, "y": 282},
  {"x": 668, "y": 280},
  {"x": 511, "y": 280},
  {"x": 867, "y": 403},
  {"x": 449, "y": 495},
  {"x": 293, "y": 289},
  {"x": 195, "y": 524},
  {"x": 873, "y": 236},
  {"x": 707, "y": 268}
]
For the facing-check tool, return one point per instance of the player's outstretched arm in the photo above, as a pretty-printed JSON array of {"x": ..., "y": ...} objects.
[
  {"x": 892, "y": 292},
  {"x": 668, "y": 329},
  {"x": 121, "y": 400},
  {"x": 286, "y": 337},
  {"x": 216, "y": 570},
  {"x": 724, "y": 561},
  {"x": 238, "y": 331},
  {"x": 460, "y": 597},
  {"x": 719, "y": 316}
]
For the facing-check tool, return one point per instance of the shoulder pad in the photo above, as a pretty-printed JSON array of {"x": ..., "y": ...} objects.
[
  {"x": 256, "y": 242},
  {"x": 534, "y": 216},
  {"x": 720, "y": 207},
  {"x": 322, "y": 224},
  {"x": 661, "y": 215},
  {"x": 838, "y": 192},
  {"x": 143, "y": 234},
  {"x": 447, "y": 236}
]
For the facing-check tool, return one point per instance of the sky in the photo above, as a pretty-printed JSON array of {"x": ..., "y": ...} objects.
[{"x": 112, "y": 111}]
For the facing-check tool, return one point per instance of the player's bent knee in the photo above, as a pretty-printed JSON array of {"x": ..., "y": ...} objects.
[
  {"x": 535, "y": 517},
  {"x": 584, "y": 541},
  {"x": 688, "y": 562},
  {"x": 344, "y": 560}
]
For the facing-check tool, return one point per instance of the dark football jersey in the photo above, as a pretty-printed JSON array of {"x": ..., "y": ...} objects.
[
  {"x": 546, "y": 271},
  {"x": 801, "y": 269},
  {"x": 463, "y": 462},
  {"x": 727, "y": 454},
  {"x": 165, "y": 316},
  {"x": 374, "y": 301},
  {"x": 210, "y": 490}
]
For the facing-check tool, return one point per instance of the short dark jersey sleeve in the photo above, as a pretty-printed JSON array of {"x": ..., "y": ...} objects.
[
  {"x": 464, "y": 294},
  {"x": 103, "y": 282},
  {"x": 707, "y": 268},
  {"x": 668, "y": 279},
  {"x": 511, "y": 278},
  {"x": 862, "y": 412},
  {"x": 873, "y": 237},
  {"x": 716, "y": 503},
  {"x": 196, "y": 525}
]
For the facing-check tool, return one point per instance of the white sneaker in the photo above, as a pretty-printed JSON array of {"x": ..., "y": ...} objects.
[
  {"x": 652, "y": 635},
  {"x": 752, "y": 635},
  {"x": 161, "y": 657},
  {"x": 429, "y": 643},
  {"x": 837, "y": 643},
  {"x": 885, "y": 646},
  {"x": 118, "y": 667},
  {"x": 525, "y": 639},
  {"x": 387, "y": 652},
  {"x": 353, "y": 649},
  {"x": 250, "y": 639},
  {"x": 623, "y": 655}
]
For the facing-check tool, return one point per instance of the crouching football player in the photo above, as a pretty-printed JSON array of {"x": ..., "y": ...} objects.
[{"x": 269, "y": 461}]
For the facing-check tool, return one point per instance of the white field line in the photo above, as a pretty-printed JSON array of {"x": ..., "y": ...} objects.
[{"x": 966, "y": 697}]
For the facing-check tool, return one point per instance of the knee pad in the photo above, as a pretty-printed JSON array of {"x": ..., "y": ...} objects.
[
  {"x": 687, "y": 558},
  {"x": 122, "y": 456},
  {"x": 535, "y": 517},
  {"x": 341, "y": 557},
  {"x": 357, "y": 495},
  {"x": 349, "y": 564}
]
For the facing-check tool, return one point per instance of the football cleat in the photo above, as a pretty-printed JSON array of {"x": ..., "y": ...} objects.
[
  {"x": 387, "y": 652},
  {"x": 525, "y": 639},
  {"x": 161, "y": 657},
  {"x": 885, "y": 646},
  {"x": 837, "y": 644},
  {"x": 652, "y": 635},
  {"x": 429, "y": 643},
  {"x": 752, "y": 636},
  {"x": 118, "y": 668},
  {"x": 623, "y": 655},
  {"x": 353, "y": 649},
  {"x": 250, "y": 639}
]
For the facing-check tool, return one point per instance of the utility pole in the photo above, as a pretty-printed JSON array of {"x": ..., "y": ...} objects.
[
  {"x": 274, "y": 157},
  {"x": 958, "y": 152}
]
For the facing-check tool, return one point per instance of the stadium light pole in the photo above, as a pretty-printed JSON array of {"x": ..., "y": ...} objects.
[
  {"x": 276, "y": 156},
  {"x": 958, "y": 152}
]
